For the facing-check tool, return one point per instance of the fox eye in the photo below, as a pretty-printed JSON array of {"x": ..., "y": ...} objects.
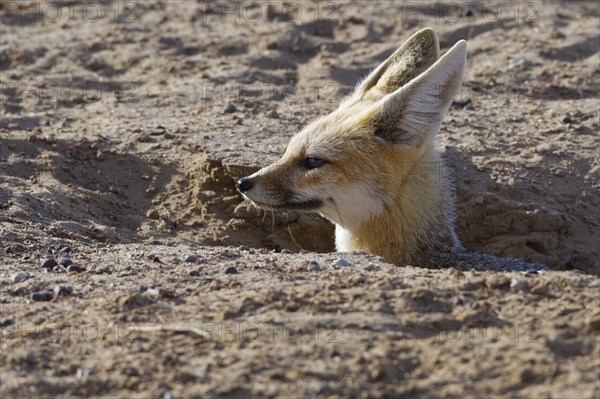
[{"x": 313, "y": 162}]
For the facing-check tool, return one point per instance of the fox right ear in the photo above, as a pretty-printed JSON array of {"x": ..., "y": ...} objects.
[
  {"x": 413, "y": 113},
  {"x": 414, "y": 57}
]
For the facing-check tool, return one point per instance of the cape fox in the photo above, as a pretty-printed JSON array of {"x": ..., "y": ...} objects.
[{"x": 357, "y": 166}]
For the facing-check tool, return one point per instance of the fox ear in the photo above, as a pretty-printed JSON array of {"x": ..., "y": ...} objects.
[
  {"x": 417, "y": 54},
  {"x": 413, "y": 113}
]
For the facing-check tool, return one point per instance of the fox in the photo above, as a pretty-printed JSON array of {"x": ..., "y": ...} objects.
[{"x": 358, "y": 166}]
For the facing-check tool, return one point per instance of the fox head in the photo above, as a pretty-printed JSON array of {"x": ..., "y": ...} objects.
[{"x": 347, "y": 165}]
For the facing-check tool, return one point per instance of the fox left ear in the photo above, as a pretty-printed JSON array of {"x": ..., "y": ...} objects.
[
  {"x": 414, "y": 112},
  {"x": 417, "y": 54}
]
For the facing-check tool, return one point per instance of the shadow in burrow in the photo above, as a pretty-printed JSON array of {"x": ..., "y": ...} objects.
[{"x": 530, "y": 213}]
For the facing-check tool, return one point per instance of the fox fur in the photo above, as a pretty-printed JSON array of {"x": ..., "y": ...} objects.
[{"x": 359, "y": 166}]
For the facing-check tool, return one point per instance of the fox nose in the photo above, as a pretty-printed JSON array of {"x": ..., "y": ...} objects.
[{"x": 244, "y": 184}]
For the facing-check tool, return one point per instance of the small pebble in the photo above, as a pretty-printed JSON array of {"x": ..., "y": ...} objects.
[
  {"x": 18, "y": 277},
  {"x": 540, "y": 288},
  {"x": 65, "y": 261},
  {"x": 566, "y": 118},
  {"x": 461, "y": 104},
  {"x": 62, "y": 290},
  {"x": 544, "y": 148},
  {"x": 102, "y": 270},
  {"x": 231, "y": 270},
  {"x": 192, "y": 258},
  {"x": 497, "y": 282},
  {"x": 157, "y": 130},
  {"x": 152, "y": 291},
  {"x": 65, "y": 251},
  {"x": 273, "y": 114},
  {"x": 323, "y": 390},
  {"x": 49, "y": 263},
  {"x": 560, "y": 172},
  {"x": 126, "y": 273},
  {"x": 166, "y": 293},
  {"x": 521, "y": 63},
  {"x": 457, "y": 301},
  {"x": 229, "y": 108},
  {"x": 152, "y": 214},
  {"x": 6, "y": 322},
  {"x": 42, "y": 296},
  {"x": 592, "y": 322},
  {"x": 75, "y": 268},
  {"x": 519, "y": 285},
  {"x": 313, "y": 266},
  {"x": 342, "y": 262},
  {"x": 455, "y": 272}
]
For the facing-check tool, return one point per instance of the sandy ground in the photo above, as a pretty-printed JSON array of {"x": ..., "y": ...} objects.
[{"x": 117, "y": 155}]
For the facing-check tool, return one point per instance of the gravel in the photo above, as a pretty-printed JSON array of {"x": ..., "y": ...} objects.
[
  {"x": 49, "y": 263},
  {"x": 566, "y": 118},
  {"x": 19, "y": 277},
  {"x": 42, "y": 296},
  {"x": 192, "y": 258},
  {"x": 229, "y": 108},
  {"x": 75, "y": 268},
  {"x": 342, "y": 262},
  {"x": 65, "y": 261},
  {"x": 313, "y": 266}
]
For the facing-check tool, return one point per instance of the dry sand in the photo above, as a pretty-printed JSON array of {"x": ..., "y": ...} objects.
[{"x": 114, "y": 143}]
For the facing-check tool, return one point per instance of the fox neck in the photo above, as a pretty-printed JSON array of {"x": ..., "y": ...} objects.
[{"x": 418, "y": 219}]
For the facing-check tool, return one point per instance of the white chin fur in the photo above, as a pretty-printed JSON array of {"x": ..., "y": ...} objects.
[{"x": 354, "y": 206}]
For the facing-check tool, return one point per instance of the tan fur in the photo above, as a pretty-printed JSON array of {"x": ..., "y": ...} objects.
[{"x": 379, "y": 184}]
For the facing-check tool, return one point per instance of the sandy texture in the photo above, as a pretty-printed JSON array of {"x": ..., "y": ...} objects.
[{"x": 115, "y": 142}]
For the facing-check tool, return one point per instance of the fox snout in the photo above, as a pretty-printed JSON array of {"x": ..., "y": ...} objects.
[{"x": 275, "y": 187}]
